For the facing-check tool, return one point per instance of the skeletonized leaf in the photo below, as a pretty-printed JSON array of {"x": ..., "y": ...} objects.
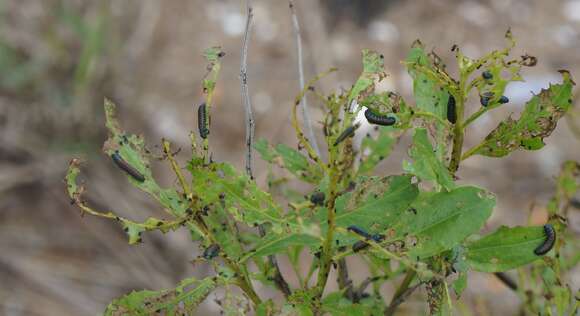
[
  {"x": 181, "y": 300},
  {"x": 131, "y": 148},
  {"x": 538, "y": 120},
  {"x": 425, "y": 164},
  {"x": 212, "y": 55},
  {"x": 505, "y": 249},
  {"x": 133, "y": 229},
  {"x": 222, "y": 184},
  {"x": 373, "y": 70},
  {"x": 428, "y": 84}
]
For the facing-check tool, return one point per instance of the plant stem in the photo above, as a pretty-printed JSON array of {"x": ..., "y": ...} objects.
[
  {"x": 245, "y": 92},
  {"x": 175, "y": 167},
  {"x": 326, "y": 255},
  {"x": 399, "y": 292}
]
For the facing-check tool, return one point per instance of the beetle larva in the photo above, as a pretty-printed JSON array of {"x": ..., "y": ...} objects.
[
  {"x": 548, "y": 242},
  {"x": 125, "y": 166}
]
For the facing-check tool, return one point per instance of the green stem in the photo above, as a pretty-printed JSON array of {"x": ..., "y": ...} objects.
[
  {"x": 400, "y": 290},
  {"x": 474, "y": 117},
  {"x": 326, "y": 255}
]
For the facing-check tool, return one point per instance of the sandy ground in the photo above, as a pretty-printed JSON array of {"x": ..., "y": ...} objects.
[{"x": 58, "y": 59}]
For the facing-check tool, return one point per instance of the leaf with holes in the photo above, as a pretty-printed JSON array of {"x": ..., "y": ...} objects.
[
  {"x": 436, "y": 222},
  {"x": 373, "y": 71},
  {"x": 181, "y": 300},
  {"x": 425, "y": 164},
  {"x": 538, "y": 121}
]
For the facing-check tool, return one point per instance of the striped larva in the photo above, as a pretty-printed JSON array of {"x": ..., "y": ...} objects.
[
  {"x": 125, "y": 166},
  {"x": 548, "y": 243},
  {"x": 384, "y": 120},
  {"x": 202, "y": 121}
]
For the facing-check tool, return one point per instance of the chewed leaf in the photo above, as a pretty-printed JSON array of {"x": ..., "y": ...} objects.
[
  {"x": 375, "y": 150},
  {"x": 291, "y": 160},
  {"x": 439, "y": 221},
  {"x": 133, "y": 229},
  {"x": 374, "y": 205},
  {"x": 425, "y": 164},
  {"x": 212, "y": 55},
  {"x": 279, "y": 243},
  {"x": 389, "y": 104},
  {"x": 538, "y": 120},
  {"x": 373, "y": 71},
  {"x": 505, "y": 249},
  {"x": 263, "y": 148},
  {"x": 430, "y": 83},
  {"x": 222, "y": 184},
  {"x": 181, "y": 300},
  {"x": 130, "y": 149}
]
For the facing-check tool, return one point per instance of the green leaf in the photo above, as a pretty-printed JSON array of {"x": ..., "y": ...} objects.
[
  {"x": 373, "y": 70},
  {"x": 263, "y": 148},
  {"x": 182, "y": 299},
  {"x": 374, "y": 205},
  {"x": 538, "y": 120},
  {"x": 505, "y": 249},
  {"x": 290, "y": 159},
  {"x": 460, "y": 284},
  {"x": 375, "y": 150},
  {"x": 266, "y": 308},
  {"x": 241, "y": 197},
  {"x": 212, "y": 55},
  {"x": 442, "y": 220},
  {"x": 390, "y": 104},
  {"x": 280, "y": 243},
  {"x": 132, "y": 149},
  {"x": 425, "y": 164},
  {"x": 429, "y": 86},
  {"x": 337, "y": 305},
  {"x": 133, "y": 229}
]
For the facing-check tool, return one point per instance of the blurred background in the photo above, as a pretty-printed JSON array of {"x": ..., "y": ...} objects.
[{"x": 59, "y": 59}]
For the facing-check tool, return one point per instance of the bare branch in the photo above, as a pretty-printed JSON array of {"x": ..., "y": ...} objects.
[
  {"x": 278, "y": 278},
  {"x": 304, "y": 102},
  {"x": 245, "y": 92}
]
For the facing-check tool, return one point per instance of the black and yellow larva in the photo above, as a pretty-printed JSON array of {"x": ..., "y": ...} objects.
[
  {"x": 349, "y": 132},
  {"x": 202, "y": 121},
  {"x": 451, "y": 110},
  {"x": 383, "y": 120},
  {"x": 125, "y": 166},
  {"x": 211, "y": 251},
  {"x": 548, "y": 243}
]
